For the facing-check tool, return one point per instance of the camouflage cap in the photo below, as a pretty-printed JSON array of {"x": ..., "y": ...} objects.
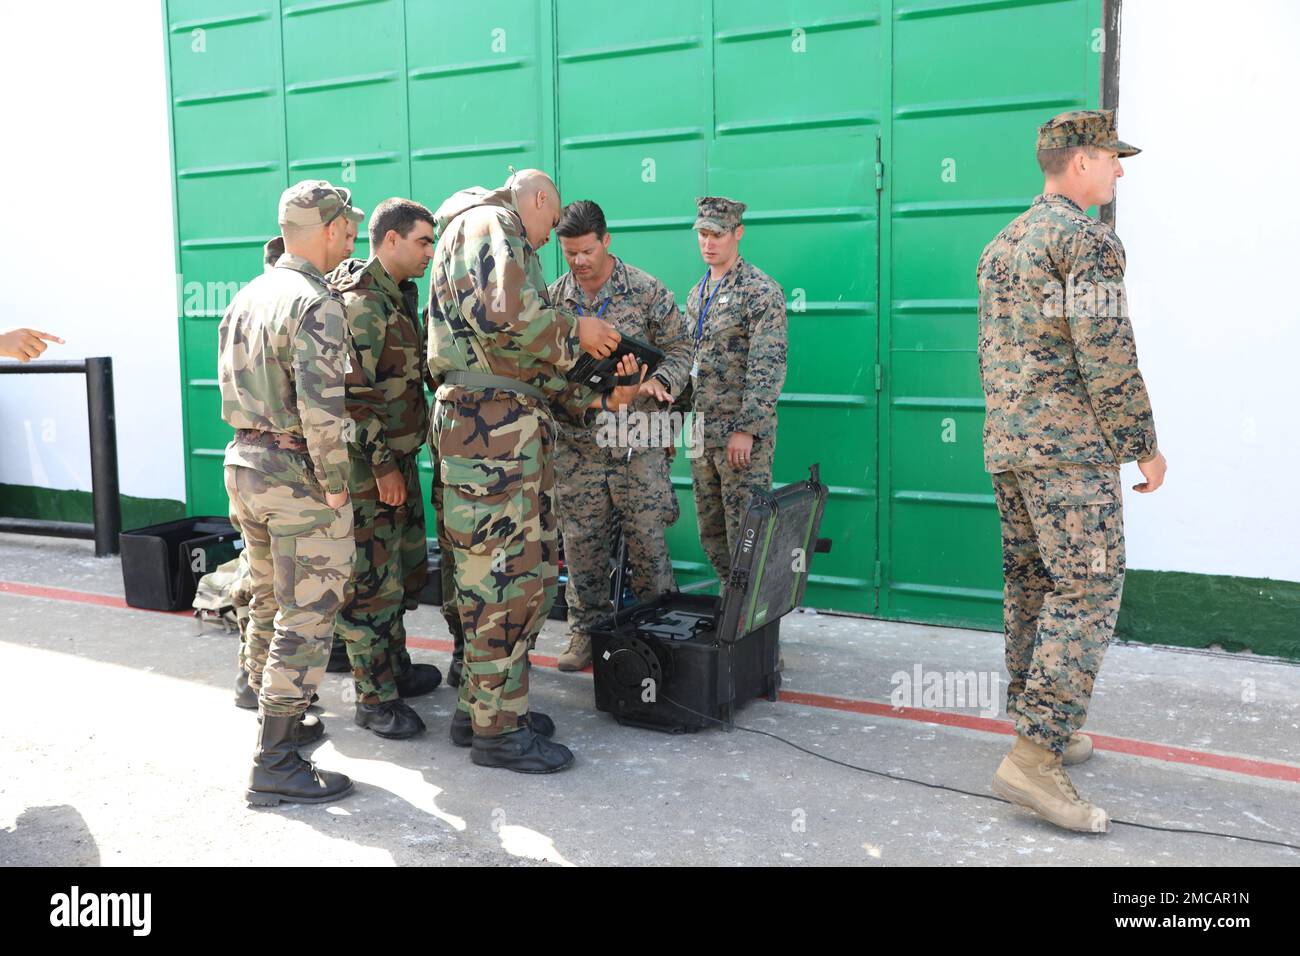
[
  {"x": 718, "y": 213},
  {"x": 314, "y": 202},
  {"x": 1083, "y": 128}
]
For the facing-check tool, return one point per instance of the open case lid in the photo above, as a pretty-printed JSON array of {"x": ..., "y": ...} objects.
[{"x": 769, "y": 570}]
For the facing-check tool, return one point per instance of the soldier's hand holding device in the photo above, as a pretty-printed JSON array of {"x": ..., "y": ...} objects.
[
  {"x": 624, "y": 394},
  {"x": 596, "y": 336}
]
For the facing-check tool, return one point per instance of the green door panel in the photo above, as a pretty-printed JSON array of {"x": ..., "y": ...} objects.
[{"x": 968, "y": 93}]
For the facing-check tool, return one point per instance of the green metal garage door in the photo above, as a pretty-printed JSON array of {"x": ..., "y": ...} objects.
[
  {"x": 817, "y": 113},
  {"x": 971, "y": 83}
]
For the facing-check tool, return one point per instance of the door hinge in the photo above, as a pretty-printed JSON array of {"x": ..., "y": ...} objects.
[
  {"x": 880, "y": 377},
  {"x": 880, "y": 176},
  {"x": 876, "y": 581}
]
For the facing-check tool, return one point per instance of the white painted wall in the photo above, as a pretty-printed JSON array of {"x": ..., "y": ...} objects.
[
  {"x": 89, "y": 251},
  {"x": 1209, "y": 213}
]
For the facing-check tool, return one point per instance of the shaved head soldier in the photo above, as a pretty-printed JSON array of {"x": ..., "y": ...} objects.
[
  {"x": 1065, "y": 405},
  {"x": 498, "y": 350},
  {"x": 281, "y": 357}
]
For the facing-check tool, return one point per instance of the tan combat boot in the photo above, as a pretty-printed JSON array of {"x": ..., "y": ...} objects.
[
  {"x": 1031, "y": 776},
  {"x": 1077, "y": 750},
  {"x": 577, "y": 655}
]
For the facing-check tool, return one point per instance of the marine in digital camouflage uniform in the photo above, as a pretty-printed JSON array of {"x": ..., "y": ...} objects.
[
  {"x": 498, "y": 351},
  {"x": 1065, "y": 405},
  {"x": 386, "y": 401},
  {"x": 737, "y": 323},
  {"x": 604, "y": 486},
  {"x": 281, "y": 357}
]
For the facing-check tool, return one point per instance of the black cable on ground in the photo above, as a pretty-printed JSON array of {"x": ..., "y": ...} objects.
[{"x": 971, "y": 793}]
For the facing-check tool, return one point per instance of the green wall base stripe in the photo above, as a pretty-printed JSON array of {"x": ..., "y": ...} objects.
[
  {"x": 53, "y": 504},
  {"x": 1200, "y": 610},
  {"x": 1180, "y": 609}
]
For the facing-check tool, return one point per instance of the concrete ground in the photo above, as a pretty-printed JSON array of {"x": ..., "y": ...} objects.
[{"x": 120, "y": 745}]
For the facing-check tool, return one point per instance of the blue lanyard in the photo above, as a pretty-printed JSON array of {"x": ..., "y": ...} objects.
[
  {"x": 704, "y": 306},
  {"x": 601, "y": 314}
]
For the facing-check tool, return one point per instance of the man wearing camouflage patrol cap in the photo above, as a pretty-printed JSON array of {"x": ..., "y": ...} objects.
[
  {"x": 252, "y": 659},
  {"x": 736, "y": 319},
  {"x": 281, "y": 348},
  {"x": 1065, "y": 406}
]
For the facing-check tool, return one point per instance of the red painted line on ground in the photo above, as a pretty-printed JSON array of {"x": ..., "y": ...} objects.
[
  {"x": 428, "y": 644},
  {"x": 77, "y": 597},
  {"x": 1199, "y": 758},
  {"x": 1124, "y": 745},
  {"x": 989, "y": 725}
]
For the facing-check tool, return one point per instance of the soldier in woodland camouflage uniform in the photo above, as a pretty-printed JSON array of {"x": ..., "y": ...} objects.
[
  {"x": 281, "y": 357},
  {"x": 736, "y": 319},
  {"x": 1065, "y": 406},
  {"x": 385, "y": 399},
  {"x": 498, "y": 351},
  {"x": 600, "y": 481}
]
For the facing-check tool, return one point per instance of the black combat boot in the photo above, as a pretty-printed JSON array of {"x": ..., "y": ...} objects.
[
  {"x": 307, "y": 730},
  {"x": 245, "y": 696},
  {"x": 339, "y": 662},
  {"x": 420, "y": 679},
  {"x": 280, "y": 775},
  {"x": 523, "y": 751},
  {"x": 462, "y": 728},
  {"x": 393, "y": 719}
]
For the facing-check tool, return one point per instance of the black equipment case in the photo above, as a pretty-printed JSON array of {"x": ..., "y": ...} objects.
[
  {"x": 162, "y": 564},
  {"x": 685, "y": 661}
]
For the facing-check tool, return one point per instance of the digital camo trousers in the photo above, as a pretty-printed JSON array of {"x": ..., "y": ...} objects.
[
  {"x": 299, "y": 553},
  {"x": 497, "y": 470},
  {"x": 722, "y": 496},
  {"x": 1063, "y": 564},
  {"x": 598, "y": 492}
]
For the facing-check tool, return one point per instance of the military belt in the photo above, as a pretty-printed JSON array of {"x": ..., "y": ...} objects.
[
  {"x": 281, "y": 440},
  {"x": 479, "y": 380}
]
